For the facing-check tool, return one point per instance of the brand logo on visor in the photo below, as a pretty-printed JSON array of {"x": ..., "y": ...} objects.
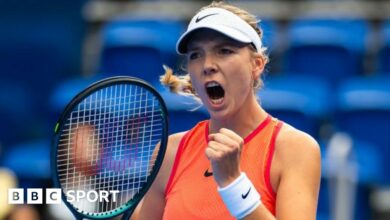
[{"x": 201, "y": 18}]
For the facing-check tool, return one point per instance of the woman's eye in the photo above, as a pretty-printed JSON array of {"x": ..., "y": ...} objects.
[
  {"x": 226, "y": 51},
  {"x": 193, "y": 55}
]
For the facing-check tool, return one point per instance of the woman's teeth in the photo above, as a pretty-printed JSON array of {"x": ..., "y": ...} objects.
[
  {"x": 211, "y": 84},
  {"x": 217, "y": 101}
]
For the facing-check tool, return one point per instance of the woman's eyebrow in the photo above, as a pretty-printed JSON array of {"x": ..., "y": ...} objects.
[
  {"x": 223, "y": 43},
  {"x": 193, "y": 47},
  {"x": 229, "y": 44}
]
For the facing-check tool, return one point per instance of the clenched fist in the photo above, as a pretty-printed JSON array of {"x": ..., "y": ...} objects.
[{"x": 224, "y": 151}]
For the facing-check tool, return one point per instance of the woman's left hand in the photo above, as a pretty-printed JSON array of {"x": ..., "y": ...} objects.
[{"x": 224, "y": 151}]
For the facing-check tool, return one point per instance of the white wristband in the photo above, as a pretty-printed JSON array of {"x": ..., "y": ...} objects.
[{"x": 240, "y": 197}]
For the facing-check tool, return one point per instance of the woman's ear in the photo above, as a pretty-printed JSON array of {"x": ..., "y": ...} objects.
[{"x": 258, "y": 63}]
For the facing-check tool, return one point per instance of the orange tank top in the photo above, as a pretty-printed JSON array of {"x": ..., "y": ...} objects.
[{"x": 191, "y": 193}]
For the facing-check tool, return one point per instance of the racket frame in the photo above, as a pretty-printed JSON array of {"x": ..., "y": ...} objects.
[{"x": 128, "y": 208}]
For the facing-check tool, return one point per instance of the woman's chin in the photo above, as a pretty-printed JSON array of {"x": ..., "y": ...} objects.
[{"x": 221, "y": 113}]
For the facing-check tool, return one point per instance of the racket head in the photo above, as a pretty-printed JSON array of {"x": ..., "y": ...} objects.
[{"x": 103, "y": 113}]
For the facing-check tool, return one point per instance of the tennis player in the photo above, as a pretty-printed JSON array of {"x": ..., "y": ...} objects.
[{"x": 241, "y": 163}]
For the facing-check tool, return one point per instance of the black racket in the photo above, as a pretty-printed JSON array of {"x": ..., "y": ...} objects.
[{"x": 109, "y": 143}]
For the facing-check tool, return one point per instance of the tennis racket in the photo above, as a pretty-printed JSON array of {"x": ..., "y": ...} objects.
[{"x": 109, "y": 144}]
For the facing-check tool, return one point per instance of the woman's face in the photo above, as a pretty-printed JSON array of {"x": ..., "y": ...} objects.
[{"x": 222, "y": 72}]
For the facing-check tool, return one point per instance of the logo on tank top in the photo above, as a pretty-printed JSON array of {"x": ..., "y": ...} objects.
[{"x": 207, "y": 173}]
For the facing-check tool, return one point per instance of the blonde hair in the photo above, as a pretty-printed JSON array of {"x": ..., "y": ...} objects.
[{"x": 181, "y": 84}]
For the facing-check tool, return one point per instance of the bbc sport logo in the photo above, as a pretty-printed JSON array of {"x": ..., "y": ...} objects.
[{"x": 53, "y": 195}]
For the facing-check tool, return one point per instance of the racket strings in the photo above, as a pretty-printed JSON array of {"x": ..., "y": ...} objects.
[
  {"x": 113, "y": 124},
  {"x": 99, "y": 115},
  {"x": 109, "y": 143},
  {"x": 107, "y": 135}
]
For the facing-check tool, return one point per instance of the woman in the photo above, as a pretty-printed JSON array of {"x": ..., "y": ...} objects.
[{"x": 242, "y": 163}]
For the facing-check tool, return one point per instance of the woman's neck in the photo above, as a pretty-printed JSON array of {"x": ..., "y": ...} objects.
[{"x": 243, "y": 122}]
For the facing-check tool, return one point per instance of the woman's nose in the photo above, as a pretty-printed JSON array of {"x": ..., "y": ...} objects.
[{"x": 209, "y": 66}]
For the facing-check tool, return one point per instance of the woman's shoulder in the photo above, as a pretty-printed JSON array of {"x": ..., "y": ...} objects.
[
  {"x": 293, "y": 145},
  {"x": 169, "y": 158},
  {"x": 174, "y": 140},
  {"x": 172, "y": 147}
]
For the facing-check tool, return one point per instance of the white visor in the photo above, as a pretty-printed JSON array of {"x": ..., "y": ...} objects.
[{"x": 224, "y": 22}]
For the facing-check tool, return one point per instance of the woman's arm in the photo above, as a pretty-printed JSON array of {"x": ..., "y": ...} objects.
[
  {"x": 299, "y": 157},
  {"x": 298, "y": 164},
  {"x": 153, "y": 204}
]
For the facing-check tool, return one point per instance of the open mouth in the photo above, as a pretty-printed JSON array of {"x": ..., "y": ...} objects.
[{"x": 215, "y": 92}]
